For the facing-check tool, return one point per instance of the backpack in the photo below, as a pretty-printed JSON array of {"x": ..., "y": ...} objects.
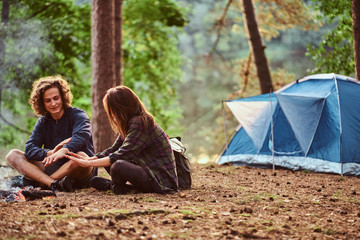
[{"x": 183, "y": 166}]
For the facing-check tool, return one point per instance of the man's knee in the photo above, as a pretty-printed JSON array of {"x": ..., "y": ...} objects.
[
  {"x": 14, "y": 157},
  {"x": 82, "y": 154},
  {"x": 73, "y": 166}
]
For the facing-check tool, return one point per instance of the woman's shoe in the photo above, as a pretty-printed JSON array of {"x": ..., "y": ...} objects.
[{"x": 101, "y": 184}]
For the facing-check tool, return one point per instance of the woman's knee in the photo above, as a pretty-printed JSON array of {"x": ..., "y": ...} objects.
[{"x": 117, "y": 167}]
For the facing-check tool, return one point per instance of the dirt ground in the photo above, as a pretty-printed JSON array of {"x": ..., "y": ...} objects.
[{"x": 225, "y": 202}]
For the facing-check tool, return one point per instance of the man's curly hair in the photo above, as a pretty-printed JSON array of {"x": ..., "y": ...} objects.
[{"x": 41, "y": 85}]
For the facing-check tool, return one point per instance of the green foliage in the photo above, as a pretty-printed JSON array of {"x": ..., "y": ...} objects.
[
  {"x": 151, "y": 58},
  {"x": 334, "y": 53},
  {"x": 46, "y": 38},
  {"x": 43, "y": 38},
  {"x": 276, "y": 16},
  {"x": 8, "y": 136},
  {"x": 54, "y": 37}
]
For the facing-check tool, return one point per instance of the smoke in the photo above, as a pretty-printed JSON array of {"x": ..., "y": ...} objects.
[
  {"x": 5, "y": 174},
  {"x": 27, "y": 42},
  {"x": 26, "y": 45}
]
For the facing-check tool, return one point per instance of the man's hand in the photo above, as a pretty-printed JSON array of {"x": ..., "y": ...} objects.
[
  {"x": 58, "y": 147},
  {"x": 55, "y": 156}
]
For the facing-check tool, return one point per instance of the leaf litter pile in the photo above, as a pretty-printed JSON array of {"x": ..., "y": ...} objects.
[{"x": 225, "y": 202}]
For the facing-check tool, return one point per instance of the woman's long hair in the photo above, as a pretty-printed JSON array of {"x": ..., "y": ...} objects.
[{"x": 121, "y": 104}]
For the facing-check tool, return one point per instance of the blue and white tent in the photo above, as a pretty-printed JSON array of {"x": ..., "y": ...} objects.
[{"x": 315, "y": 123}]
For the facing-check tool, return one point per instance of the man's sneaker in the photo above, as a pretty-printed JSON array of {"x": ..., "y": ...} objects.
[
  {"x": 101, "y": 184},
  {"x": 62, "y": 185}
]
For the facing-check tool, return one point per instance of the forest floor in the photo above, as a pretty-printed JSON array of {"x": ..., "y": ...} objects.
[{"x": 225, "y": 202}]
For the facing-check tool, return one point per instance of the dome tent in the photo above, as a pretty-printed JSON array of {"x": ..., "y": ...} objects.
[{"x": 315, "y": 123}]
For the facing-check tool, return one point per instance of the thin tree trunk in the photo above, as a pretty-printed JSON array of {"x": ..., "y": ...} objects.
[
  {"x": 257, "y": 47},
  {"x": 103, "y": 68},
  {"x": 118, "y": 42},
  {"x": 356, "y": 35},
  {"x": 4, "y": 20}
]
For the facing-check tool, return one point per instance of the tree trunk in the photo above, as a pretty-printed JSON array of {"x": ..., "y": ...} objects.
[
  {"x": 103, "y": 68},
  {"x": 4, "y": 20},
  {"x": 257, "y": 47},
  {"x": 356, "y": 35},
  {"x": 118, "y": 42}
]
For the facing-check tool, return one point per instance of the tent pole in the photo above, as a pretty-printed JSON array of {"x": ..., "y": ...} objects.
[
  {"x": 338, "y": 98},
  {"x": 226, "y": 141},
  {"x": 272, "y": 130}
]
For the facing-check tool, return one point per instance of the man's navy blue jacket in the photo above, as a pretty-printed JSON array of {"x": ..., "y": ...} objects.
[{"x": 48, "y": 133}]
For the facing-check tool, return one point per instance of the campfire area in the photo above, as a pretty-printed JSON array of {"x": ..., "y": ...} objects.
[{"x": 225, "y": 202}]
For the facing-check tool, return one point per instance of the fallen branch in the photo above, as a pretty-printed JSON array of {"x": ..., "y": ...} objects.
[
  {"x": 28, "y": 194},
  {"x": 36, "y": 194}
]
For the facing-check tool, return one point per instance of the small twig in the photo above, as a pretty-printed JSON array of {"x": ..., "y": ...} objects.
[
  {"x": 220, "y": 26},
  {"x": 39, "y": 11},
  {"x": 246, "y": 78}
]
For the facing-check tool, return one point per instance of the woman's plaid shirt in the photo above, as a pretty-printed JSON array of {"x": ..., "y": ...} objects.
[{"x": 150, "y": 149}]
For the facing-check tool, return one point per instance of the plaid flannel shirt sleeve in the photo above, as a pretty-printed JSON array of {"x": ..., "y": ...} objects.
[
  {"x": 117, "y": 144},
  {"x": 135, "y": 141}
]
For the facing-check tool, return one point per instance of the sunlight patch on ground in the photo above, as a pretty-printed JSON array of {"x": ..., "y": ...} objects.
[{"x": 203, "y": 159}]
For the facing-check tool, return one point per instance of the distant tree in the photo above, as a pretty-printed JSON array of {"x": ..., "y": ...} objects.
[
  {"x": 118, "y": 42},
  {"x": 103, "y": 68},
  {"x": 356, "y": 34},
  {"x": 270, "y": 18},
  {"x": 257, "y": 47}
]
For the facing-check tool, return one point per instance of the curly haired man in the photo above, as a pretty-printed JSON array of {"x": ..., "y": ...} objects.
[{"x": 60, "y": 129}]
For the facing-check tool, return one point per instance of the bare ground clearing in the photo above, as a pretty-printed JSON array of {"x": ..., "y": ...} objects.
[{"x": 226, "y": 202}]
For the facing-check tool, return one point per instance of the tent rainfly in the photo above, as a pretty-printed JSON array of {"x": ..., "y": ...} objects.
[{"x": 312, "y": 123}]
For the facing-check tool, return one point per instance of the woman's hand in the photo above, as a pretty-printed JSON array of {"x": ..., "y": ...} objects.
[
  {"x": 80, "y": 160},
  {"x": 88, "y": 161}
]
